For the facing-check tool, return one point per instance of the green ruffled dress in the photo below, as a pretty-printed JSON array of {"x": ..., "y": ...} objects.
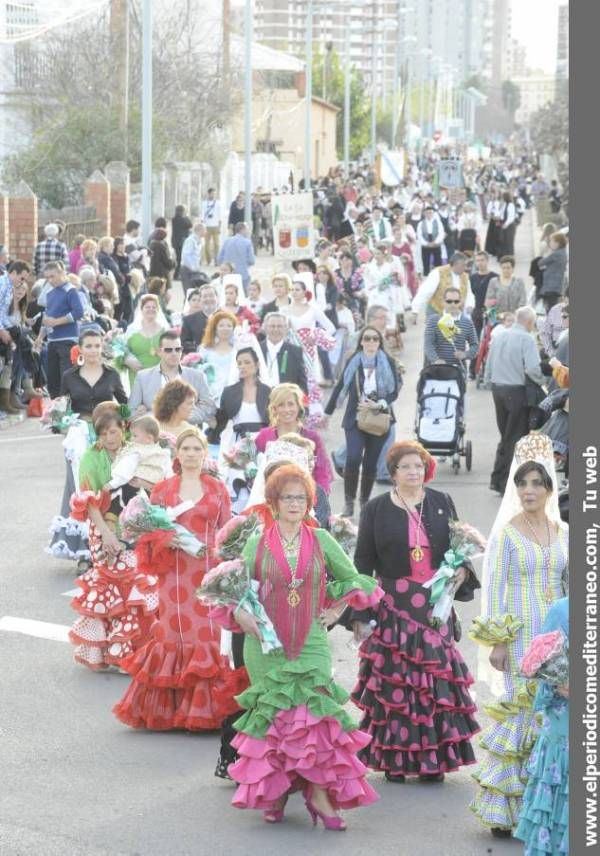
[{"x": 295, "y": 731}]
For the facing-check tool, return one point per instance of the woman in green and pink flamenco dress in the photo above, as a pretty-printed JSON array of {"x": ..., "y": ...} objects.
[{"x": 295, "y": 734}]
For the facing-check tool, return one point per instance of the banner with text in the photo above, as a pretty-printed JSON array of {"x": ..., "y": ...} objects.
[{"x": 293, "y": 232}]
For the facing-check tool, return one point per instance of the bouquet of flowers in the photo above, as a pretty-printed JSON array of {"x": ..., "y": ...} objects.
[
  {"x": 231, "y": 538},
  {"x": 167, "y": 441},
  {"x": 465, "y": 543},
  {"x": 345, "y": 533},
  {"x": 141, "y": 518},
  {"x": 117, "y": 351},
  {"x": 547, "y": 658},
  {"x": 229, "y": 585},
  {"x": 211, "y": 468},
  {"x": 242, "y": 456},
  {"x": 197, "y": 361},
  {"x": 448, "y": 327},
  {"x": 57, "y": 415}
]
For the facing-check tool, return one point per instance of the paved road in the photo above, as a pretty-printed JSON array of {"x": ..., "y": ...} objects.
[{"x": 75, "y": 782}]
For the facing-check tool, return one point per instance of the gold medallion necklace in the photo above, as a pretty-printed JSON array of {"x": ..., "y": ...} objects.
[
  {"x": 290, "y": 549},
  {"x": 417, "y": 551}
]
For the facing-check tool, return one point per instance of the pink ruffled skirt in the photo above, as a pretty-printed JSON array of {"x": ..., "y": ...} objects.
[{"x": 297, "y": 751}]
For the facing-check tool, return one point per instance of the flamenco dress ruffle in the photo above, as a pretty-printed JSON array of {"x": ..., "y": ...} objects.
[
  {"x": 180, "y": 679},
  {"x": 180, "y": 685},
  {"x": 413, "y": 689},
  {"x": 117, "y": 607},
  {"x": 544, "y": 820},
  {"x": 295, "y": 732}
]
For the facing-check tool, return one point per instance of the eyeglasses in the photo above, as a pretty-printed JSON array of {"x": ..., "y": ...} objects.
[
  {"x": 452, "y": 301},
  {"x": 290, "y": 499},
  {"x": 370, "y": 339},
  {"x": 564, "y": 315},
  {"x": 170, "y": 350}
]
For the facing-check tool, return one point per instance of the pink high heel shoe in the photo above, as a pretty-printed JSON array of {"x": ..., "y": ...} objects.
[
  {"x": 333, "y": 822},
  {"x": 275, "y": 814}
]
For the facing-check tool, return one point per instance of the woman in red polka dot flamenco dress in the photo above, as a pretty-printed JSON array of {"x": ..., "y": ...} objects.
[
  {"x": 413, "y": 685},
  {"x": 180, "y": 679}
]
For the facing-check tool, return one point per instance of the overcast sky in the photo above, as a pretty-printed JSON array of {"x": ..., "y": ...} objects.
[{"x": 535, "y": 25}]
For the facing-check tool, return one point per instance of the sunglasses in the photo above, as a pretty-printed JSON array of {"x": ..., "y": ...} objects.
[
  {"x": 170, "y": 350},
  {"x": 370, "y": 339},
  {"x": 452, "y": 301}
]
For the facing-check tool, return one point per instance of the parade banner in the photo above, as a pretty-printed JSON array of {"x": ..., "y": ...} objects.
[
  {"x": 450, "y": 173},
  {"x": 293, "y": 232},
  {"x": 392, "y": 167}
]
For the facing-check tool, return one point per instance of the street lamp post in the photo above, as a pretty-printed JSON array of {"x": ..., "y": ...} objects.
[
  {"x": 373, "y": 91},
  {"x": 146, "y": 117},
  {"x": 248, "y": 112},
  {"x": 308, "y": 87},
  {"x": 347, "y": 78}
]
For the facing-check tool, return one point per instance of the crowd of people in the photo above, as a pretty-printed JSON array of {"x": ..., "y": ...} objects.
[{"x": 213, "y": 413}]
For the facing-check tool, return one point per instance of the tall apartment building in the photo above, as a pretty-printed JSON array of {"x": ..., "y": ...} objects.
[
  {"x": 454, "y": 32},
  {"x": 562, "y": 47},
  {"x": 501, "y": 41}
]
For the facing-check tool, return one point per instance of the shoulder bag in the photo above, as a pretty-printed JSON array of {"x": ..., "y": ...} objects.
[{"x": 371, "y": 421}]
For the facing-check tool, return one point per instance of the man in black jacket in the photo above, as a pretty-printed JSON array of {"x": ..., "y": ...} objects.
[
  {"x": 285, "y": 362},
  {"x": 194, "y": 325}
]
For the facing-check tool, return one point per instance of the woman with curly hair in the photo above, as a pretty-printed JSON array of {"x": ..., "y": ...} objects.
[
  {"x": 217, "y": 351},
  {"x": 295, "y": 734},
  {"x": 173, "y": 406},
  {"x": 287, "y": 410}
]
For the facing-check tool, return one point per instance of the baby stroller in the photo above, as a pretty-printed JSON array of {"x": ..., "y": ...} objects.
[{"x": 440, "y": 425}]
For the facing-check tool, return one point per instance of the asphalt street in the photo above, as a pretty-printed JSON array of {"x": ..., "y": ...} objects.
[{"x": 76, "y": 782}]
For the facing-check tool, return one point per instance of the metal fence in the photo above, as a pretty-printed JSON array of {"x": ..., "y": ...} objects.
[{"x": 78, "y": 220}]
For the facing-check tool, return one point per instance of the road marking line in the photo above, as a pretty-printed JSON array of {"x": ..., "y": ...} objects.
[
  {"x": 70, "y": 593},
  {"x": 39, "y": 629},
  {"x": 25, "y": 439}
]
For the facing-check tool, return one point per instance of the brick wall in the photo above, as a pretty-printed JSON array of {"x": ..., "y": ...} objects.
[
  {"x": 97, "y": 195},
  {"x": 4, "y": 231},
  {"x": 23, "y": 222},
  {"x": 117, "y": 174}
]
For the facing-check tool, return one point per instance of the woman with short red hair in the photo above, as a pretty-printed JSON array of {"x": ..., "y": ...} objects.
[
  {"x": 413, "y": 682},
  {"x": 295, "y": 734}
]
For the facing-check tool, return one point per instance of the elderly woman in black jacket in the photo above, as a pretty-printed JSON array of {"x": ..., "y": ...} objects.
[
  {"x": 413, "y": 683},
  {"x": 370, "y": 382}
]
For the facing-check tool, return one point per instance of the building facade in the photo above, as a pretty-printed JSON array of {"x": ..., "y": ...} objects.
[
  {"x": 537, "y": 90},
  {"x": 428, "y": 34},
  {"x": 562, "y": 47}
]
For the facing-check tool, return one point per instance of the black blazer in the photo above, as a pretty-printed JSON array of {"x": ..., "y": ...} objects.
[
  {"x": 294, "y": 364},
  {"x": 382, "y": 546},
  {"x": 192, "y": 331},
  {"x": 231, "y": 401},
  {"x": 349, "y": 419}
]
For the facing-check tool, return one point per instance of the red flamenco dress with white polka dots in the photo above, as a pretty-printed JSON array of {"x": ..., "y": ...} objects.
[
  {"x": 180, "y": 679},
  {"x": 117, "y": 603}
]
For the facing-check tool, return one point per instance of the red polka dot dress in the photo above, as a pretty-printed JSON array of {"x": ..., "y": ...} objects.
[{"x": 180, "y": 679}]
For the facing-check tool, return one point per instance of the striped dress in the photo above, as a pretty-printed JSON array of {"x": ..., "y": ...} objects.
[{"x": 524, "y": 582}]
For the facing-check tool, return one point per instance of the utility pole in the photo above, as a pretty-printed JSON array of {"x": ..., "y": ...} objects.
[
  {"x": 119, "y": 52},
  {"x": 226, "y": 14}
]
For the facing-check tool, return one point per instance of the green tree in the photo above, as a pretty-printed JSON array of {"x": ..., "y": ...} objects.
[
  {"x": 549, "y": 128},
  {"x": 360, "y": 104},
  {"x": 511, "y": 96},
  {"x": 70, "y": 102}
]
